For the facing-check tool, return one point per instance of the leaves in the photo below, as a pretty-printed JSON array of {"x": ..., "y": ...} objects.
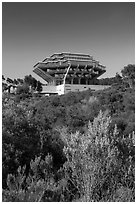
[
  {"x": 87, "y": 138},
  {"x": 128, "y": 74}
]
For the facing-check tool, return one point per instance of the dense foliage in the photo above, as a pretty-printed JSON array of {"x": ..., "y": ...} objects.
[
  {"x": 27, "y": 85},
  {"x": 74, "y": 147}
]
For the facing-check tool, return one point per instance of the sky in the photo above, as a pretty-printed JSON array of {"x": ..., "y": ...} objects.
[{"x": 33, "y": 31}]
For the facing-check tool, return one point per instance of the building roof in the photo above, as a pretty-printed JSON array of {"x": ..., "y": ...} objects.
[
  {"x": 64, "y": 56},
  {"x": 69, "y": 54}
]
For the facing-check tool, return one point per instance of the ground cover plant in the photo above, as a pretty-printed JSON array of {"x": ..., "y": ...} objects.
[{"x": 75, "y": 147}]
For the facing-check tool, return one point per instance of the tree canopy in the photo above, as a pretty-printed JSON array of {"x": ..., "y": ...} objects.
[{"x": 128, "y": 74}]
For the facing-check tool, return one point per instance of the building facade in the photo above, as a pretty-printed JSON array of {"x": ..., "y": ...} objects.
[{"x": 65, "y": 72}]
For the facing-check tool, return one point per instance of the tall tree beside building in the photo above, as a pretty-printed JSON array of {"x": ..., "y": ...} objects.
[
  {"x": 128, "y": 74},
  {"x": 39, "y": 86}
]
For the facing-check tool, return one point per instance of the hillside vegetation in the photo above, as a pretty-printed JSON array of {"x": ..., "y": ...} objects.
[{"x": 75, "y": 147}]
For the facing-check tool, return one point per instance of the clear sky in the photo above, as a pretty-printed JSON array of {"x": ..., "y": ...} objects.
[{"x": 34, "y": 31}]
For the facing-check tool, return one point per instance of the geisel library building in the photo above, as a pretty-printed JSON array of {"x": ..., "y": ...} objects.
[{"x": 67, "y": 72}]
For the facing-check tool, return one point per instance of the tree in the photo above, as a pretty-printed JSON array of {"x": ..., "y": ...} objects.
[
  {"x": 3, "y": 78},
  {"x": 9, "y": 80},
  {"x": 39, "y": 86},
  {"x": 15, "y": 81},
  {"x": 31, "y": 81},
  {"x": 28, "y": 79},
  {"x": 128, "y": 74},
  {"x": 22, "y": 89},
  {"x": 20, "y": 81},
  {"x": 4, "y": 86},
  {"x": 118, "y": 78}
]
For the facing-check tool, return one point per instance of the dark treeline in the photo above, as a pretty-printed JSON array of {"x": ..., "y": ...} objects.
[
  {"x": 26, "y": 85},
  {"x": 75, "y": 147}
]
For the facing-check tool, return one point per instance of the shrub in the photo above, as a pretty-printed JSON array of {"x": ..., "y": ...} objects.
[
  {"x": 94, "y": 161},
  {"x": 33, "y": 187},
  {"x": 24, "y": 89}
]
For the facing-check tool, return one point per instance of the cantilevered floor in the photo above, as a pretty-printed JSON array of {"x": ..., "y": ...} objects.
[{"x": 69, "y": 68}]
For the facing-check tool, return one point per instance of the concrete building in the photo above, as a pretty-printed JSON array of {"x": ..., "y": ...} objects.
[{"x": 67, "y": 72}]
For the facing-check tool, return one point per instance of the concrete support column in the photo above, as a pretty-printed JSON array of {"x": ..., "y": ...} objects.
[
  {"x": 71, "y": 80},
  {"x": 79, "y": 80},
  {"x": 86, "y": 81}
]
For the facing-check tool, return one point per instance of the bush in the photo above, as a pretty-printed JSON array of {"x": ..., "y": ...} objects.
[
  {"x": 95, "y": 162},
  {"x": 23, "y": 89},
  {"x": 33, "y": 187},
  {"x": 99, "y": 166}
]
